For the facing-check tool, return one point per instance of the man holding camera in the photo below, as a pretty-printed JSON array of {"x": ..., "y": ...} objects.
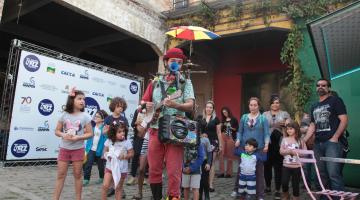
[{"x": 167, "y": 154}]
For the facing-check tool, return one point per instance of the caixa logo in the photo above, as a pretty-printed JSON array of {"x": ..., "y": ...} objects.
[
  {"x": 85, "y": 75},
  {"x": 20, "y": 148},
  {"x": 98, "y": 94},
  {"x": 30, "y": 84},
  {"x": 91, "y": 106},
  {"x": 31, "y": 63},
  {"x": 41, "y": 148},
  {"x": 134, "y": 87},
  {"x": 46, "y": 107},
  {"x": 67, "y": 73},
  {"x": 45, "y": 127}
]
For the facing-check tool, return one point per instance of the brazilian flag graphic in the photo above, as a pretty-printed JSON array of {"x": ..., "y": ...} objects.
[{"x": 50, "y": 69}]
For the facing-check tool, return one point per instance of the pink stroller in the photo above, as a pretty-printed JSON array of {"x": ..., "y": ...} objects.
[{"x": 304, "y": 159}]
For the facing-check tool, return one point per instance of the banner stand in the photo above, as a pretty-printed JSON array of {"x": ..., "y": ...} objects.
[{"x": 7, "y": 101}]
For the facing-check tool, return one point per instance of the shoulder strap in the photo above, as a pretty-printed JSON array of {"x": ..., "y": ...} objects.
[{"x": 163, "y": 91}]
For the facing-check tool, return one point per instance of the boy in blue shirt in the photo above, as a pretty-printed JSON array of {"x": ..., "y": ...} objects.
[
  {"x": 249, "y": 158},
  {"x": 193, "y": 159}
]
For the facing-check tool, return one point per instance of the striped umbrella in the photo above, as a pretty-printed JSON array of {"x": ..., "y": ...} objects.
[{"x": 191, "y": 33}]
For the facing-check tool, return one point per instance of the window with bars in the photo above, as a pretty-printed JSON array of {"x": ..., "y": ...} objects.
[{"x": 178, "y": 4}]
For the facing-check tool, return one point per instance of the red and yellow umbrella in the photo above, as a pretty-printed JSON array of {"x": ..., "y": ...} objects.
[{"x": 191, "y": 33}]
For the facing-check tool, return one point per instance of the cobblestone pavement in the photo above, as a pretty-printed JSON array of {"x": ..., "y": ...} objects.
[{"x": 37, "y": 183}]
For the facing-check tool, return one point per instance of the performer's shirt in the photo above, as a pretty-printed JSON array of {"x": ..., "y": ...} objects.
[{"x": 153, "y": 94}]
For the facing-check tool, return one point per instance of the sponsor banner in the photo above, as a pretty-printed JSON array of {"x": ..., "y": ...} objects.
[{"x": 42, "y": 88}]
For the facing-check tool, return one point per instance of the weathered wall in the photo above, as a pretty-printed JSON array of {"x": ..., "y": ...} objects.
[
  {"x": 157, "y": 5},
  {"x": 125, "y": 15}
]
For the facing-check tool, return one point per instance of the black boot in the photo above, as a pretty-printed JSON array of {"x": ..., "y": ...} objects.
[{"x": 156, "y": 190}]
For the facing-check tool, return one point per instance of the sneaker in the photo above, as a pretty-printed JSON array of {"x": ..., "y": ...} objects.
[
  {"x": 101, "y": 180},
  {"x": 131, "y": 181},
  {"x": 234, "y": 194},
  {"x": 211, "y": 190},
  {"x": 86, "y": 182},
  {"x": 277, "y": 195},
  {"x": 145, "y": 182}
]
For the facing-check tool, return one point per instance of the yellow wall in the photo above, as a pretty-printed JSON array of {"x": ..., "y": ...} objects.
[{"x": 228, "y": 24}]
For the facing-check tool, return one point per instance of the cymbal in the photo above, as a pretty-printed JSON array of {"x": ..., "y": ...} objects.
[{"x": 190, "y": 64}]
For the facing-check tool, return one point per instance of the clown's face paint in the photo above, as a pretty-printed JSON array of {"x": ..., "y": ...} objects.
[{"x": 174, "y": 64}]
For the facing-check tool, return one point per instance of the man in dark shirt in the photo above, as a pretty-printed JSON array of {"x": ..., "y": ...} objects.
[{"x": 328, "y": 122}]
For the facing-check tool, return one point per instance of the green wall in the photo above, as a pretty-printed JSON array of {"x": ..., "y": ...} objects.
[
  {"x": 348, "y": 88},
  {"x": 309, "y": 64}
]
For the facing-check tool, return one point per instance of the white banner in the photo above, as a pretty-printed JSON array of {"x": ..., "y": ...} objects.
[{"x": 41, "y": 92}]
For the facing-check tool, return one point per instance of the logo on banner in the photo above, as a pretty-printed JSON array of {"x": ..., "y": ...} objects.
[
  {"x": 85, "y": 75},
  {"x": 66, "y": 89},
  {"x": 46, "y": 107},
  {"x": 96, "y": 79},
  {"x": 22, "y": 128},
  {"x": 66, "y": 73},
  {"x": 45, "y": 127},
  {"x": 30, "y": 84},
  {"x": 133, "y": 88},
  {"x": 20, "y": 148},
  {"x": 51, "y": 68},
  {"x": 98, "y": 94},
  {"x": 26, "y": 100},
  {"x": 25, "y": 106},
  {"x": 91, "y": 106},
  {"x": 48, "y": 87},
  {"x": 31, "y": 63},
  {"x": 41, "y": 148}
]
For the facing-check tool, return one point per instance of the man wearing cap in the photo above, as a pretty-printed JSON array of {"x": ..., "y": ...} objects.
[{"x": 167, "y": 155}]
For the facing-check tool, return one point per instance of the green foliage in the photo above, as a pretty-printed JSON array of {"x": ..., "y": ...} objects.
[
  {"x": 299, "y": 87},
  {"x": 207, "y": 15},
  {"x": 308, "y": 9},
  {"x": 237, "y": 11}
]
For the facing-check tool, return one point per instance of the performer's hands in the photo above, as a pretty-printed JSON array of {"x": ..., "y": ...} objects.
[
  {"x": 170, "y": 103},
  {"x": 149, "y": 107}
]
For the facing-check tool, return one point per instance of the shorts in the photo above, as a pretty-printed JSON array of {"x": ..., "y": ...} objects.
[
  {"x": 144, "y": 147},
  {"x": 71, "y": 155},
  {"x": 191, "y": 181},
  {"x": 123, "y": 175}
]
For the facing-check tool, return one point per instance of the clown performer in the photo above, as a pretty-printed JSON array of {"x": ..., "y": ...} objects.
[{"x": 160, "y": 154}]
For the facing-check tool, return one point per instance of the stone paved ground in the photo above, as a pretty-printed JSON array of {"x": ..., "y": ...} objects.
[{"x": 37, "y": 183}]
